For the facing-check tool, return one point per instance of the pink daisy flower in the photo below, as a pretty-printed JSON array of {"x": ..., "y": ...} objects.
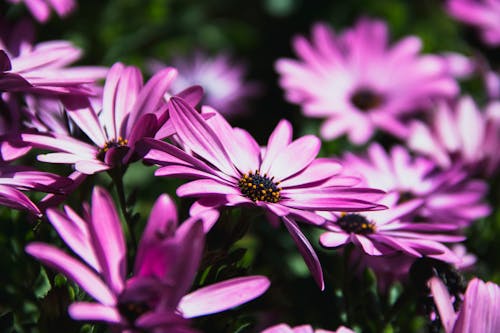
[
  {"x": 460, "y": 134},
  {"x": 223, "y": 81},
  {"x": 449, "y": 196},
  {"x": 482, "y": 14},
  {"x": 359, "y": 83},
  {"x": 155, "y": 297},
  {"x": 42, "y": 68},
  {"x": 40, "y": 9},
  {"x": 130, "y": 112},
  {"x": 382, "y": 233},
  {"x": 479, "y": 310},
  {"x": 229, "y": 168}
]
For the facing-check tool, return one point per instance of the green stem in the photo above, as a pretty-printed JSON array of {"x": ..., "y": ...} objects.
[{"x": 117, "y": 176}]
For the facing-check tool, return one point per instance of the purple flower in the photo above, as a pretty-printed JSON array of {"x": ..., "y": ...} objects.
[
  {"x": 382, "y": 233},
  {"x": 360, "y": 84},
  {"x": 482, "y": 14},
  {"x": 154, "y": 297},
  {"x": 130, "y": 112},
  {"x": 40, "y": 9},
  {"x": 449, "y": 196},
  {"x": 222, "y": 79},
  {"x": 229, "y": 168},
  {"x": 479, "y": 310},
  {"x": 284, "y": 328},
  {"x": 42, "y": 68},
  {"x": 460, "y": 134},
  {"x": 15, "y": 178}
]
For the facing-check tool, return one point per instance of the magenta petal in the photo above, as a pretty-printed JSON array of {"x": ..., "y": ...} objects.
[
  {"x": 73, "y": 269},
  {"x": 280, "y": 328},
  {"x": 14, "y": 198},
  {"x": 294, "y": 158},
  {"x": 333, "y": 239},
  {"x": 442, "y": 299},
  {"x": 222, "y": 296},
  {"x": 307, "y": 251},
  {"x": 94, "y": 312},
  {"x": 366, "y": 244},
  {"x": 109, "y": 98},
  {"x": 206, "y": 187},
  {"x": 192, "y": 95},
  {"x": 88, "y": 122},
  {"x": 108, "y": 239},
  {"x": 279, "y": 139},
  {"x": 198, "y": 136},
  {"x": 319, "y": 170}
]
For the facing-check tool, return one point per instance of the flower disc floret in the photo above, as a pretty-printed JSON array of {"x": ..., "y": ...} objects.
[
  {"x": 366, "y": 99},
  {"x": 114, "y": 143},
  {"x": 356, "y": 223},
  {"x": 259, "y": 187}
]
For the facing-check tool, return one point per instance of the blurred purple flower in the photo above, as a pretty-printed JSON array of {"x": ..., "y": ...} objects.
[
  {"x": 15, "y": 178},
  {"x": 130, "y": 112},
  {"x": 479, "y": 312},
  {"x": 222, "y": 80},
  {"x": 482, "y": 14},
  {"x": 42, "y": 68},
  {"x": 40, "y": 9},
  {"x": 284, "y": 328},
  {"x": 449, "y": 196},
  {"x": 359, "y": 83},
  {"x": 154, "y": 298},
  {"x": 230, "y": 169},
  {"x": 460, "y": 134},
  {"x": 382, "y": 233}
]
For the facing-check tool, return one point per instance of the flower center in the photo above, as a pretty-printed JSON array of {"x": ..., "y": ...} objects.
[
  {"x": 356, "y": 223},
  {"x": 114, "y": 143},
  {"x": 133, "y": 310},
  {"x": 259, "y": 187},
  {"x": 366, "y": 99}
]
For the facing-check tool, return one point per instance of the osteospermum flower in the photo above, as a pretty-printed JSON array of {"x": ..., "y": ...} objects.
[
  {"x": 42, "y": 68},
  {"x": 449, "y": 196},
  {"x": 359, "y": 83},
  {"x": 230, "y": 169},
  {"x": 40, "y": 9},
  {"x": 130, "y": 112},
  {"x": 222, "y": 80},
  {"x": 15, "y": 178},
  {"x": 482, "y": 14},
  {"x": 284, "y": 328},
  {"x": 382, "y": 233},
  {"x": 460, "y": 134},
  {"x": 479, "y": 310},
  {"x": 155, "y": 297}
]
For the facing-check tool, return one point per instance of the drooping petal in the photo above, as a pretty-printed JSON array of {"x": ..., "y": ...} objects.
[
  {"x": 222, "y": 296},
  {"x": 307, "y": 251}
]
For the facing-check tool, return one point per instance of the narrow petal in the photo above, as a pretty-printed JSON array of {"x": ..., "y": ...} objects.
[
  {"x": 73, "y": 269},
  {"x": 222, "y": 296},
  {"x": 94, "y": 312},
  {"x": 108, "y": 239},
  {"x": 333, "y": 239},
  {"x": 279, "y": 139},
  {"x": 307, "y": 251},
  {"x": 442, "y": 299}
]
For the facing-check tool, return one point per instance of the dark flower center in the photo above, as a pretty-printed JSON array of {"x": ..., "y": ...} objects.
[
  {"x": 114, "y": 143},
  {"x": 259, "y": 187},
  {"x": 366, "y": 99},
  {"x": 133, "y": 310},
  {"x": 356, "y": 223}
]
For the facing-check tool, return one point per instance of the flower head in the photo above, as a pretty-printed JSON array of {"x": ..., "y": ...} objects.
[
  {"x": 461, "y": 134},
  {"x": 222, "y": 79},
  {"x": 130, "y": 112},
  {"x": 154, "y": 297},
  {"x": 359, "y": 83},
  {"x": 383, "y": 233},
  {"x": 449, "y": 196},
  {"x": 230, "y": 169},
  {"x": 482, "y": 14}
]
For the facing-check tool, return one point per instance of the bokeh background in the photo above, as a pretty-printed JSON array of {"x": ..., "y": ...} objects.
[{"x": 255, "y": 33}]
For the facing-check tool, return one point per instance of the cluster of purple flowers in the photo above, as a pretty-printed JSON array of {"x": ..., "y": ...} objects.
[{"x": 389, "y": 205}]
